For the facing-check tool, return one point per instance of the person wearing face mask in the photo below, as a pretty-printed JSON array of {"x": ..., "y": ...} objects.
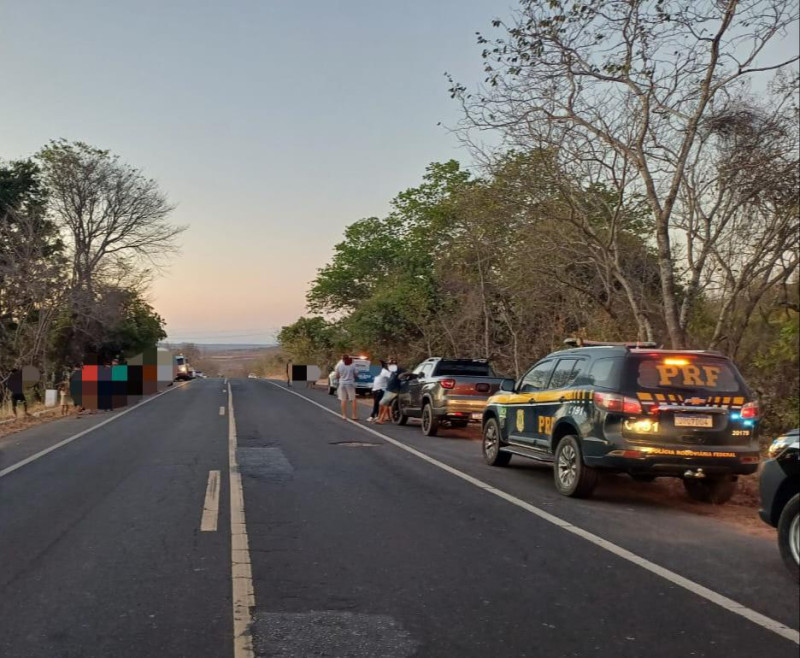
[{"x": 393, "y": 387}]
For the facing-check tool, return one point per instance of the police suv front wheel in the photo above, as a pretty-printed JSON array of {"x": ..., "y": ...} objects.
[
  {"x": 491, "y": 445},
  {"x": 572, "y": 477}
]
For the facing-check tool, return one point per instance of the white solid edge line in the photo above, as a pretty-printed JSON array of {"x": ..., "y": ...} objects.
[
  {"x": 56, "y": 446},
  {"x": 208, "y": 522},
  {"x": 241, "y": 570},
  {"x": 696, "y": 588},
  {"x": 222, "y": 411}
]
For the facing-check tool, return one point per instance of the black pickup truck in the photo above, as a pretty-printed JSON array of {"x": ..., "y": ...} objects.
[{"x": 449, "y": 392}]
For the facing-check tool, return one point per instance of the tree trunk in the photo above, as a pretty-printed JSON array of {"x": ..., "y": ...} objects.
[{"x": 677, "y": 337}]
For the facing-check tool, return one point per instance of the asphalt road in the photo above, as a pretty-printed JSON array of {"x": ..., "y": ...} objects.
[{"x": 350, "y": 544}]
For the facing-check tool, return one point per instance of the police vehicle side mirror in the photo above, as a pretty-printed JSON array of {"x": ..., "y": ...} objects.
[{"x": 507, "y": 385}]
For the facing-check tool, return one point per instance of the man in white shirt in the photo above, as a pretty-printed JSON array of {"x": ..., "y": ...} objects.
[{"x": 346, "y": 374}]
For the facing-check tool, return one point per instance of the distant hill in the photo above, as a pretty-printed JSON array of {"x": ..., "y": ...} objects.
[
  {"x": 221, "y": 347},
  {"x": 230, "y": 347}
]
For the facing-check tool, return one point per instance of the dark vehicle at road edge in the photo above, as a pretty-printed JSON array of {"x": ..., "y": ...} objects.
[
  {"x": 779, "y": 486},
  {"x": 446, "y": 392},
  {"x": 629, "y": 408}
]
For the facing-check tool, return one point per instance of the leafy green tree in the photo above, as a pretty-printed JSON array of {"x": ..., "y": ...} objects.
[
  {"x": 311, "y": 340},
  {"x": 370, "y": 250}
]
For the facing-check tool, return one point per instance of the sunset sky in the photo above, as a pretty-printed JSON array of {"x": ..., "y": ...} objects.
[{"x": 270, "y": 124}]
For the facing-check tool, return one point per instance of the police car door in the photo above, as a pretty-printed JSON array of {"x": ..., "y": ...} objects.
[
  {"x": 522, "y": 418},
  {"x": 552, "y": 398}
]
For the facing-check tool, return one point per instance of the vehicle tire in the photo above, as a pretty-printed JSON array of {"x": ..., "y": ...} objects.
[
  {"x": 643, "y": 477},
  {"x": 490, "y": 445},
  {"x": 789, "y": 535},
  {"x": 572, "y": 477},
  {"x": 398, "y": 417},
  {"x": 331, "y": 390},
  {"x": 716, "y": 491},
  {"x": 430, "y": 423}
]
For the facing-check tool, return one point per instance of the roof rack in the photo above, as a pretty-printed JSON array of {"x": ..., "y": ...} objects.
[{"x": 580, "y": 342}]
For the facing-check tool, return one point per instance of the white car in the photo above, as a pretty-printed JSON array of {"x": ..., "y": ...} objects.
[
  {"x": 363, "y": 377},
  {"x": 252, "y": 376}
]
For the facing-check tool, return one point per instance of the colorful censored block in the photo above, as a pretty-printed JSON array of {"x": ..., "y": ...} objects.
[{"x": 108, "y": 387}]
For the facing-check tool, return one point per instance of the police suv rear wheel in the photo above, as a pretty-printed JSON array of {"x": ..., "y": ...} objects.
[
  {"x": 491, "y": 445},
  {"x": 711, "y": 490},
  {"x": 572, "y": 477}
]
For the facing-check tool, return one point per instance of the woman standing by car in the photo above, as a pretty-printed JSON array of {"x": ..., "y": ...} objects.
[
  {"x": 378, "y": 387},
  {"x": 346, "y": 374}
]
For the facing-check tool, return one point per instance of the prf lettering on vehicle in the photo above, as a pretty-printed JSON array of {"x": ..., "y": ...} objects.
[
  {"x": 677, "y": 373},
  {"x": 545, "y": 424}
]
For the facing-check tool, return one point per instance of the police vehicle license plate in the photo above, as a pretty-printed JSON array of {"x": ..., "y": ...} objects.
[{"x": 693, "y": 421}]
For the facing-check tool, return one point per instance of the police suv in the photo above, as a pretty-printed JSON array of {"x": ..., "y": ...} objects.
[{"x": 628, "y": 408}]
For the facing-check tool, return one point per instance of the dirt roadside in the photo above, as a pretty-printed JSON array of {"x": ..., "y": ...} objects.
[{"x": 37, "y": 415}]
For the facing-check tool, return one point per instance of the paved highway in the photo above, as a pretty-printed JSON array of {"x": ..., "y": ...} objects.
[{"x": 242, "y": 519}]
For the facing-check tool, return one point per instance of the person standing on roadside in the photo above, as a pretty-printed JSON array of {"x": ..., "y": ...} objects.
[
  {"x": 346, "y": 374},
  {"x": 76, "y": 389},
  {"x": 63, "y": 394},
  {"x": 16, "y": 386},
  {"x": 378, "y": 389}
]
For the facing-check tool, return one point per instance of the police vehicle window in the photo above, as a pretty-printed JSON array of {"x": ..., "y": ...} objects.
[
  {"x": 426, "y": 371},
  {"x": 464, "y": 368},
  {"x": 688, "y": 373},
  {"x": 604, "y": 373},
  {"x": 536, "y": 378},
  {"x": 565, "y": 373}
]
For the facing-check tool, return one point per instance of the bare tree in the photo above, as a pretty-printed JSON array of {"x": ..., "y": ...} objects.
[
  {"x": 622, "y": 88},
  {"x": 108, "y": 210},
  {"x": 115, "y": 226}
]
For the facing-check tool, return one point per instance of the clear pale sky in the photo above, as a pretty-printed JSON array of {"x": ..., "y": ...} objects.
[{"x": 271, "y": 124}]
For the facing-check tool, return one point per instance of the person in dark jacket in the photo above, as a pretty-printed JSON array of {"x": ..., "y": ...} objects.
[
  {"x": 17, "y": 389},
  {"x": 397, "y": 381}
]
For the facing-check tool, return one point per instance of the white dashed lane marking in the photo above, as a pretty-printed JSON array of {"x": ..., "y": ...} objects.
[{"x": 208, "y": 523}]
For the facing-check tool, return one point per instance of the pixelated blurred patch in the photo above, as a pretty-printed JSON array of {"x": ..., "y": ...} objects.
[{"x": 89, "y": 374}]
